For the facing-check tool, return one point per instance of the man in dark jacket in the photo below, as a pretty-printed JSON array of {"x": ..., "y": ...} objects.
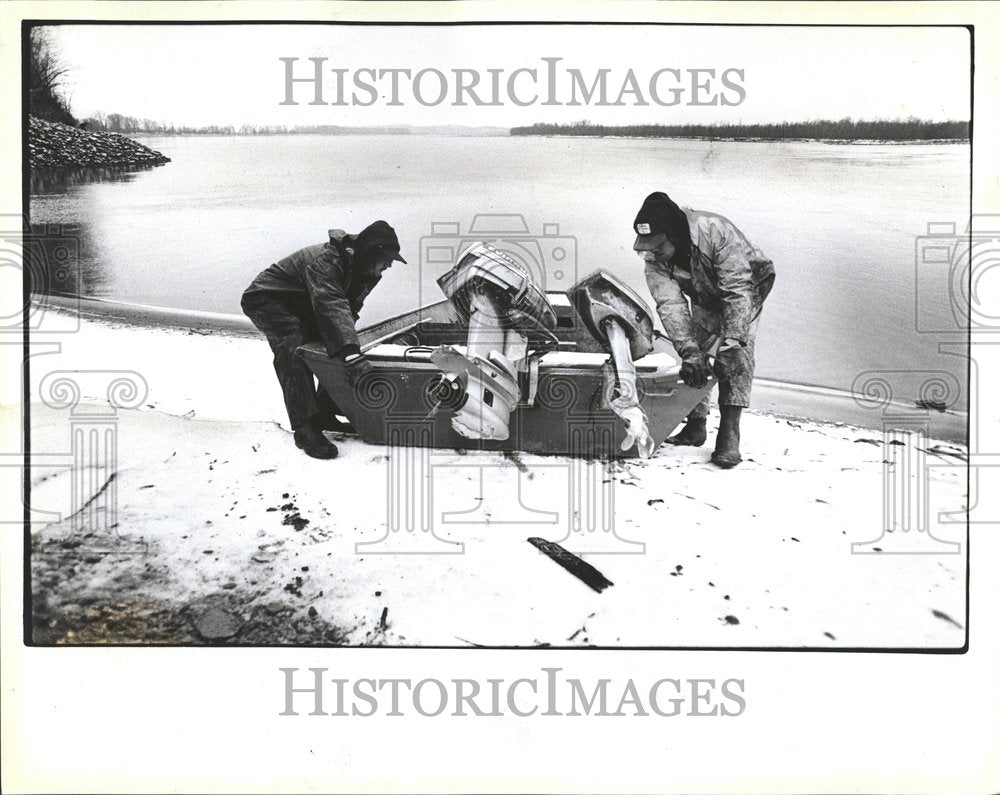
[
  {"x": 709, "y": 283},
  {"x": 317, "y": 294}
]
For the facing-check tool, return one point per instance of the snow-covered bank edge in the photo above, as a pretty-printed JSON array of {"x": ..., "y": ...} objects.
[{"x": 781, "y": 398}]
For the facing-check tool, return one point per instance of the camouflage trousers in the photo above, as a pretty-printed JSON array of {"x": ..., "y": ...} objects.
[
  {"x": 287, "y": 324},
  {"x": 734, "y": 389}
]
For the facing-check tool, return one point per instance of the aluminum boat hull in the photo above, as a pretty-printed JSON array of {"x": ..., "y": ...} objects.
[{"x": 563, "y": 412}]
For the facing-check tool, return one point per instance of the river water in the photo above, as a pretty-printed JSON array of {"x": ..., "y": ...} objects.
[{"x": 844, "y": 224}]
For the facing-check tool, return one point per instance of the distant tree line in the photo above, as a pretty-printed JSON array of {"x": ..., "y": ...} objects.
[
  {"x": 45, "y": 73},
  {"x": 130, "y": 125},
  {"x": 844, "y": 129}
]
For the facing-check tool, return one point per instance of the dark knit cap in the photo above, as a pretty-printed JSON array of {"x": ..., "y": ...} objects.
[
  {"x": 382, "y": 235},
  {"x": 659, "y": 217}
]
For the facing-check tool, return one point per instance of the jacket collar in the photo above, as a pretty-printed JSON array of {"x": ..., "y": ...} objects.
[{"x": 343, "y": 242}]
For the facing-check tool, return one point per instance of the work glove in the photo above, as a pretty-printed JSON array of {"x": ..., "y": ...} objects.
[
  {"x": 357, "y": 366},
  {"x": 695, "y": 369}
]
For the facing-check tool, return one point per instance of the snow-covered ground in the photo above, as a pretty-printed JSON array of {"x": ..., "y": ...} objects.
[{"x": 219, "y": 530}]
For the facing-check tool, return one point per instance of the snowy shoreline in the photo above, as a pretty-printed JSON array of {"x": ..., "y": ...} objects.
[{"x": 222, "y": 532}]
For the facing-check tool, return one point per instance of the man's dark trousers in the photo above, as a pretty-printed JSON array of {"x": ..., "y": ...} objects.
[{"x": 289, "y": 322}]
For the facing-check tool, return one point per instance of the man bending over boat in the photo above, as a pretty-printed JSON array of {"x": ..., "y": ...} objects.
[
  {"x": 702, "y": 258},
  {"x": 317, "y": 293}
]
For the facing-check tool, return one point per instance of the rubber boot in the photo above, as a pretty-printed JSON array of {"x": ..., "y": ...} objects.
[
  {"x": 693, "y": 434},
  {"x": 310, "y": 440},
  {"x": 328, "y": 412},
  {"x": 333, "y": 424},
  {"x": 727, "y": 442}
]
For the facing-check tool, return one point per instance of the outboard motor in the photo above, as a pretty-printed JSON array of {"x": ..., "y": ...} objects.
[
  {"x": 504, "y": 309},
  {"x": 618, "y": 319}
]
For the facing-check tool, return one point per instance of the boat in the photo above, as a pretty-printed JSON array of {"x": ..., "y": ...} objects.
[{"x": 500, "y": 364}]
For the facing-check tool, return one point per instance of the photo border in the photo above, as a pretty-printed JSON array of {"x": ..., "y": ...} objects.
[{"x": 27, "y": 627}]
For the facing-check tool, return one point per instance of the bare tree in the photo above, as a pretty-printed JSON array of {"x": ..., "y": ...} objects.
[{"x": 45, "y": 77}]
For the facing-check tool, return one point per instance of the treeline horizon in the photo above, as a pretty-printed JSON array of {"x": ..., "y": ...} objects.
[
  {"x": 911, "y": 129},
  {"x": 842, "y": 129},
  {"x": 130, "y": 125}
]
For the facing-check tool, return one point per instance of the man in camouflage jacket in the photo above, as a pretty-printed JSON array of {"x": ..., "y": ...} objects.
[
  {"x": 317, "y": 294},
  {"x": 709, "y": 284}
]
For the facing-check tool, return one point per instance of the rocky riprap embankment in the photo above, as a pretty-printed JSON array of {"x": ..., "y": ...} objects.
[{"x": 53, "y": 145}]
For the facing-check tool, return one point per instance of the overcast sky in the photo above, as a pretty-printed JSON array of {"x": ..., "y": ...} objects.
[{"x": 200, "y": 75}]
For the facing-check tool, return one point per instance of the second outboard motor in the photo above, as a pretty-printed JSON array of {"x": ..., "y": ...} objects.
[
  {"x": 618, "y": 318},
  {"x": 504, "y": 309}
]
